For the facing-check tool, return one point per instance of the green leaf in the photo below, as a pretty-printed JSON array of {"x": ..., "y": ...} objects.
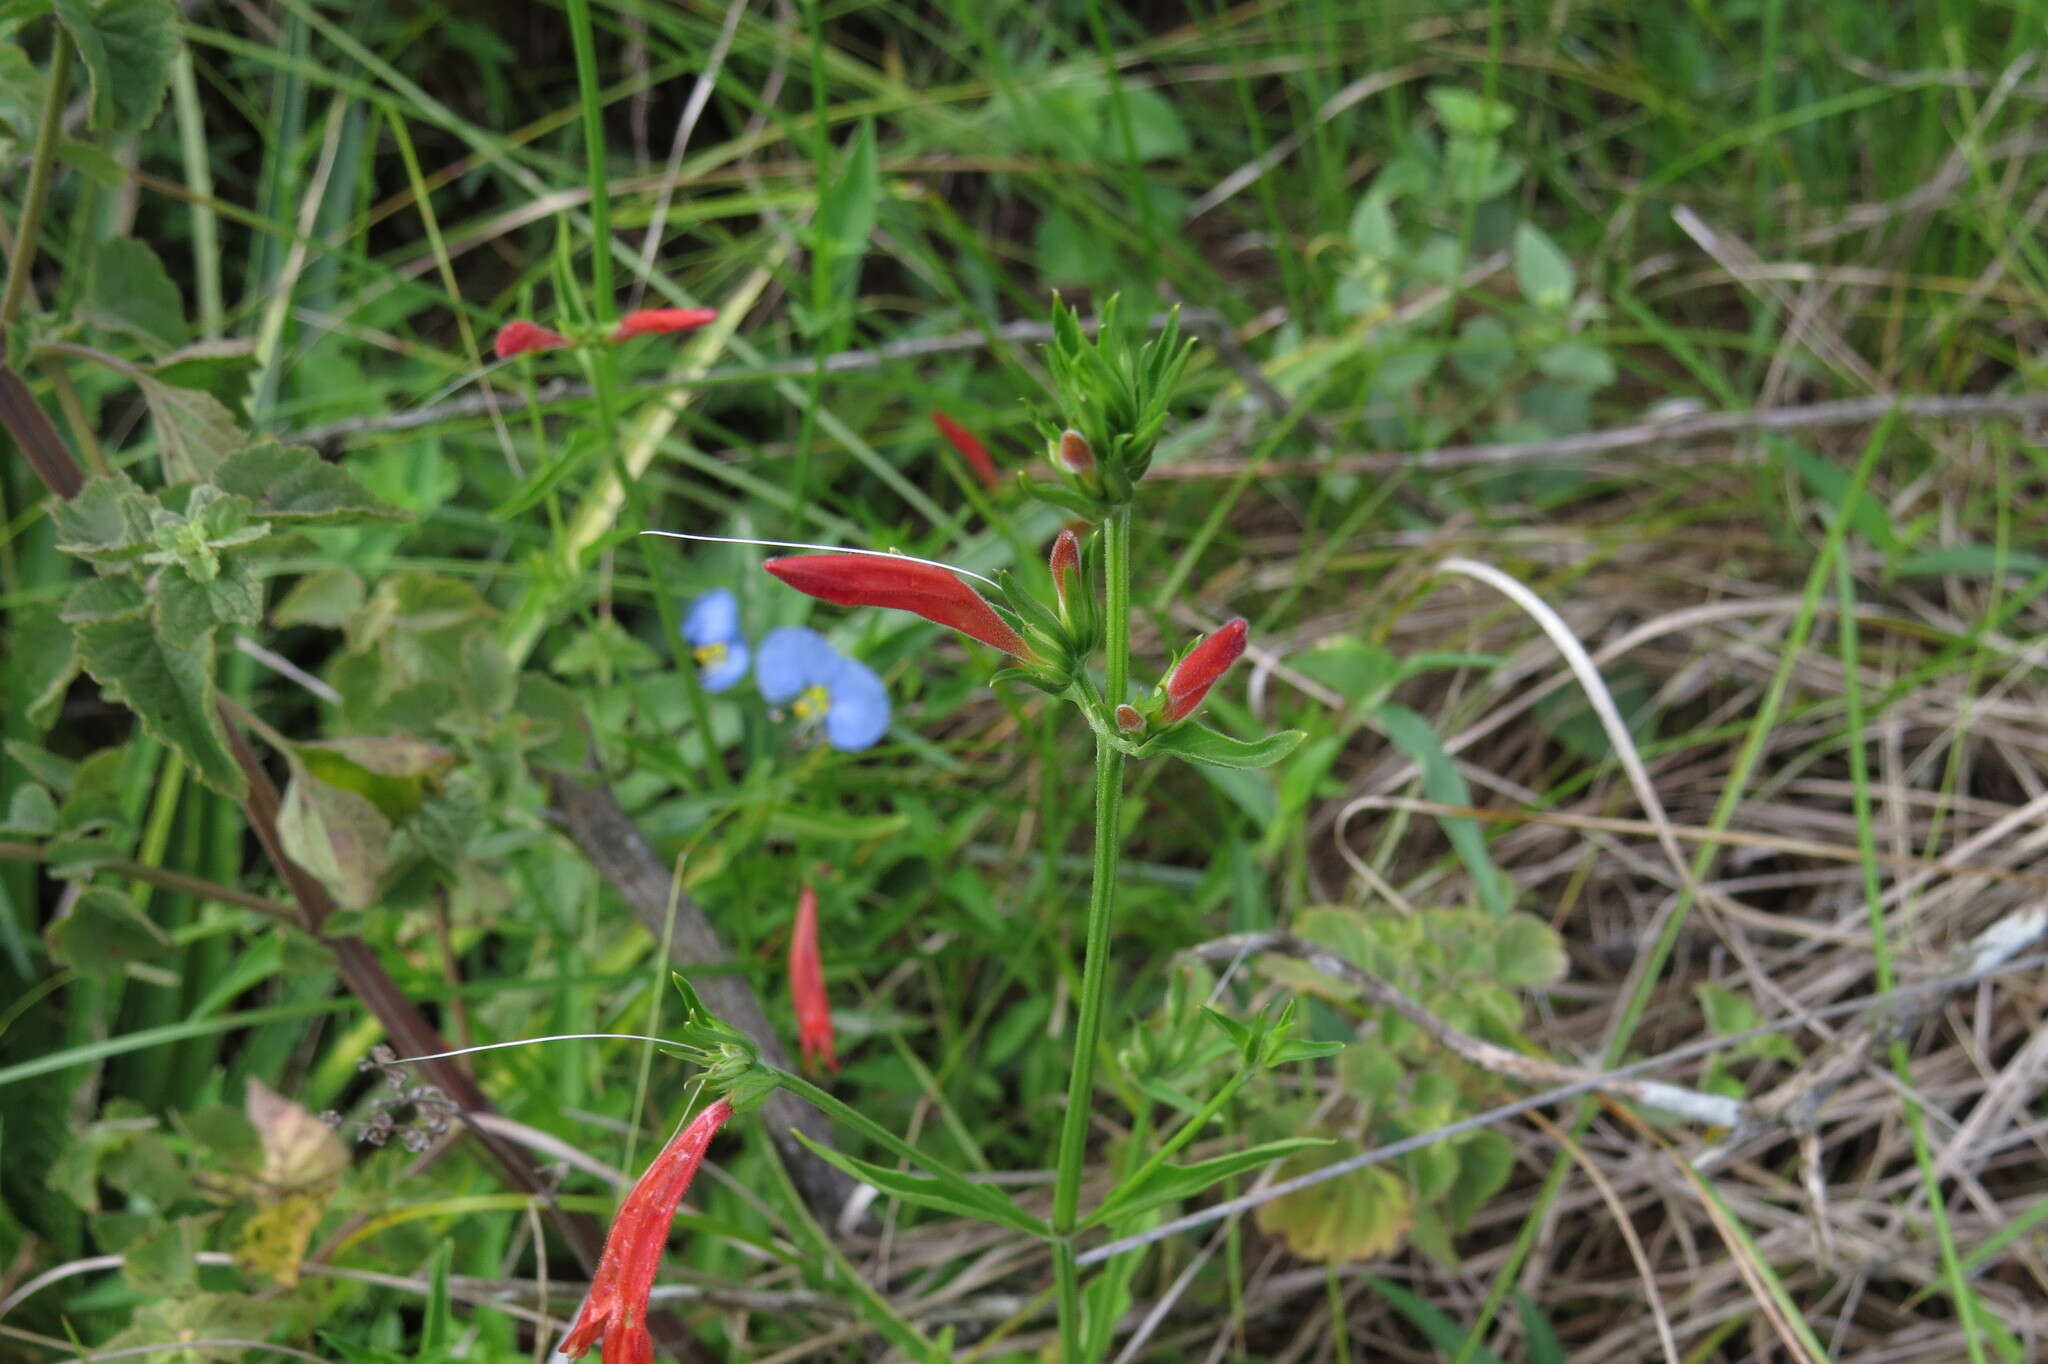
[
  {"x": 327, "y": 597},
  {"x": 944, "y": 1191},
  {"x": 1372, "y": 229},
  {"x": 1527, "y": 951},
  {"x": 1830, "y": 483},
  {"x": 393, "y": 773},
  {"x": 1360, "y": 1215},
  {"x": 171, "y": 692},
  {"x": 21, "y": 95},
  {"x": 1197, "y": 743},
  {"x": 1577, "y": 362},
  {"x": 1468, "y": 115},
  {"x": 220, "y": 366},
  {"x": 194, "y": 432},
  {"x": 1544, "y": 1346},
  {"x": 1171, "y": 1183},
  {"x": 126, "y": 47},
  {"x": 291, "y": 483},
  {"x": 105, "y": 599},
  {"x": 1544, "y": 274},
  {"x": 847, "y": 213},
  {"x": 31, "y": 813},
  {"x": 1485, "y": 352},
  {"x": 103, "y": 933},
  {"x": 1156, "y": 127},
  {"x": 337, "y": 835},
  {"x": 1445, "y": 1334},
  {"x": 1968, "y": 561},
  {"x": 1444, "y": 784},
  {"x": 132, "y": 293},
  {"x": 45, "y": 659},
  {"x": 187, "y": 610},
  {"x": 109, "y": 522},
  {"x": 1485, "y": 1160}
]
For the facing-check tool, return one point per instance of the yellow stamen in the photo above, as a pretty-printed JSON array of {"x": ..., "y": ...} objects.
[{"x": 814, "y": 701}]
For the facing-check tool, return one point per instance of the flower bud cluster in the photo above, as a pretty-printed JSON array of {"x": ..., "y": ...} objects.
[{"x": 1114, "y": 398}]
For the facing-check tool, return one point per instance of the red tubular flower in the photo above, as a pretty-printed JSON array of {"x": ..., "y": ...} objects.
[
  {"x": 615, "y": 1310},
  {"x": 1076, "y": 455},
  {"x": 970, "y": 448},
  {"x": 520, "y": 336},
  {"x": 1187, "y": 684},
  {"x": 651, "y": 320},
  {"x": 1065, "y": 562},
  {"x": 807, "y": 986},
  {"x": 902, "y": 585}
]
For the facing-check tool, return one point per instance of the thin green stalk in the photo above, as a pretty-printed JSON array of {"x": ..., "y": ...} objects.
[
  {"x": 1881, "y": 954},
  {"x": 1109, "y": 792},
  {"x": 39, "y": 173}
]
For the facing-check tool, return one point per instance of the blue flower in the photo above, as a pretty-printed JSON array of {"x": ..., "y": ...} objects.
[
  {"x": 712, "y": 630},
  {"x": 801, "y": 667}
]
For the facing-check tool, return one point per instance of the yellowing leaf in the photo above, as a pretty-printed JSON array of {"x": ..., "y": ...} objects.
[
  {"x": 1362, "y": 1215},
  {"x": 302, "y": 1166}
]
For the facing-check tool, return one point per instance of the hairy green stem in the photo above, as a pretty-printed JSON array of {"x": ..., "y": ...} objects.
[
  {"x": 1109, "y": 792},
  {"x": 37, "y": 194}
]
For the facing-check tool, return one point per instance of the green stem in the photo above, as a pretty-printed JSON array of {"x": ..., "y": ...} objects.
[
  {"x": 1109, "y": 793},
  {"x": 1186, "y": 1133},
  {"x": 38, "y": 192}
]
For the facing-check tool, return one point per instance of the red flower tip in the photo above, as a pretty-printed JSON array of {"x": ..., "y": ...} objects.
[
  {"x": 971, "y": 449},
  {"x": 651, "y": 320},
  {"x": 1076, "y": 455},
  {"x": 903, "y": 585},
  {"x": 1188, "y": 683},
  {"x": 807, "y": 986},
  {"x": 1065, "y": 561},
  {"x": 615, "y": 1310},
  {"x": 518, "y": 337}
]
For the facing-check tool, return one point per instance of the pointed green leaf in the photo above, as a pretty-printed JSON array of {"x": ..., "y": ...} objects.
[
  {"x": 1442, "y": 782},
  {"x": 188, "y": 609},
  {"x": 292, "y": 483},
  {"x": 1172, "y": 1183},
  {"x": 103, "y": 933},
  {"x": 105, "y": 599},
  {"x": 108, "y": 522},
  {"x": 1197, "y": 743},
  {"x": 1542, "y": 271},
  {"x": 171, "y": 692},
  {"x": 31, "y": 813},
  {"x": 327, "y": 597},
  {"x": 194, "y": 432},
  {"x": 126, "y": 47},
  {"x": 133, "y": 294},
  {"x": 337, "y": 835},
  {"x": 944, "y": 1191}
]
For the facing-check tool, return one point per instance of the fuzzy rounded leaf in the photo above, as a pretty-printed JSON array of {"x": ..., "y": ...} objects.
[
  {"x": 1528, "y": 951},
  {"x": 1362, "y": 1215}
]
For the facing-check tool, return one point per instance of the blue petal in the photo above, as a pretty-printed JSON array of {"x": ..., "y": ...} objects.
[
  {"x": 721, "y": 675},
  {"x": 714, "y": 618},
  {"x": 859, "y": 713},
  {"x": 791, "y": 659}
]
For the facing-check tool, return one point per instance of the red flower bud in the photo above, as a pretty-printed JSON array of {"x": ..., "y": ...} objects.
[
  {"x": 615, "y": 1310},
  {"x": 1066, "y": 562},
  {"x": 807, "y": 986},
  {"x": 650, "y": 320},
  {"x": 1188, "y": 683},
  {"x": 970, "y": 448},
  {"x": 1075, "y": 455},
  {"x": 516, "y": 338},
  {"x": 902, "y": 585}
]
